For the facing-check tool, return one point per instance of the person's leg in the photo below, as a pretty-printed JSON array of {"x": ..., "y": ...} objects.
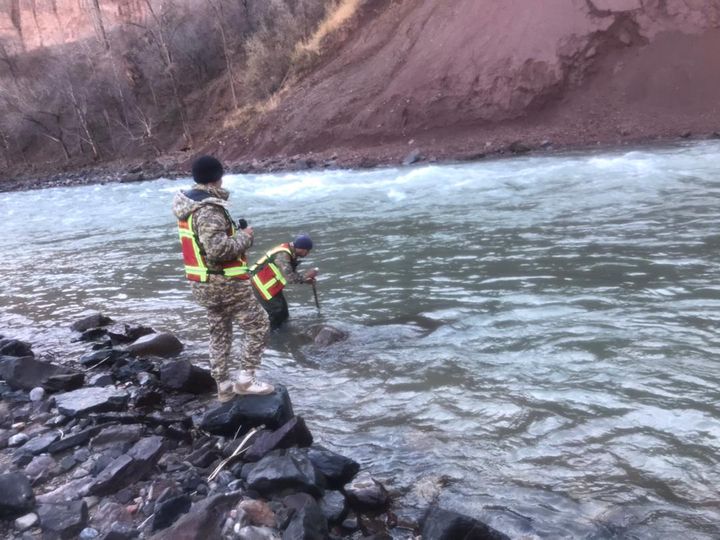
[
  {"x": 255, "y": 325},
  {"x": 220, "y": 324},
  {"x": 277, "y": 310}
]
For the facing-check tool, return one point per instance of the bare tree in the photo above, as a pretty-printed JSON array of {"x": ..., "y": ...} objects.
[
  {"x": 93, "y": 6},
  {"x": 217, "y": 7}
]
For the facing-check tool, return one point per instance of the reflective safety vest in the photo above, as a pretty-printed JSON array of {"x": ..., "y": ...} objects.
[
  {"x": 196, "y": 267},
  {"x": 266, "y": 276}
]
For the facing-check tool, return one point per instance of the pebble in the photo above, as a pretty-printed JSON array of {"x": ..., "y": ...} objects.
[
  {"x": 26, "y": 521},
  {"x": 88, "y": 533},
  {"x": 37, "y": 393},
  {"x": 17, "y": 440}
]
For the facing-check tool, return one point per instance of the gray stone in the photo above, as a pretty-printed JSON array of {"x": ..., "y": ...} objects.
[
  {"x": 413, "y": 157},
  {"x": 71, "y": 491},
  {"x": 37, "y": 393},
  {"x": 204, "y": 520},
  {"x": 274, "y": 474},
  {"x": 118, "y": 435},
  {"x": 337, "y": 470},
  {"x": 308, "y": 522},
  {"x": 163, "y": 344},
  {"x": 100, "y": 379},
  {"x": 365, "y": 494},
  {"x": 18, "y": 440},
  {"x": 130, "y": 467},
  {"x": 40, "y": 444},
  {"x": 88, "y": 533},
  {"x": 293, "y": 433},
  {"x": 64, "y": 520},
  {"x": 40, "y": 468},
  {"x": 25, "y": 522},
  {"x": 182, "y": 376},
  {"x": 256, "y": 533},
  {"x": 16, "y": 495},
  {"x": 441, "y": 524},
  {"x": 26, "y": 373},
  {"x": 92, "y": 399}
]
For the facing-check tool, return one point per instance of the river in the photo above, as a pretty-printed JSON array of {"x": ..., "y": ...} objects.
[{"x": 538, "y": 334}]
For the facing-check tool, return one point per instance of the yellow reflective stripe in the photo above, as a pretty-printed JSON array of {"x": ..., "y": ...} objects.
[
  {"x": 278, "y": 274},
  {"x": 262, "y": 288},
  {"x": 236, "y": 271}
]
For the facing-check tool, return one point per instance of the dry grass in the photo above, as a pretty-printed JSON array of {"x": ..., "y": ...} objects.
[
  {"x": 248, "y": 116},
  {"x": 333, "y": 20}
]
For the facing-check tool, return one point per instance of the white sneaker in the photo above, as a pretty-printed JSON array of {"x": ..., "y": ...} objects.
[{"x": 246, "y": 384}]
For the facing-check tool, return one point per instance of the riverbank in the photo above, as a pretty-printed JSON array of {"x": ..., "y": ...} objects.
[
  {"x": 127, "y": 442},
  {"x": 416, "y": 151}
]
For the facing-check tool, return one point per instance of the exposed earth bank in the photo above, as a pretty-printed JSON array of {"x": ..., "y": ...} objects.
[{"x": 414, "y": 80}]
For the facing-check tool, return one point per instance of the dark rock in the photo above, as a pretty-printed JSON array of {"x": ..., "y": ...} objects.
[
  {"x": 163, "y": 344},
  {"x": 413, "y": 157},
  {"x": 338, "y": 470},
  {"x": 92, "y": 399},
  {"x": 204, "y": 520},
  {"x": 70, "y": 491},
  {"x": 366, "y": 495},
  {"x": 64, "y": 520},
  {"x": 76, "y": 439},
  {"x": 293, "y": 433},
  {"x": 101, "y": 379},
  {"x": 308, "y": 521},
  {"x": 326, "y": 335},
  {"x": 122, "y": 436},
  {"x": 715, "y": 135},
  {"x": 26, "y": 373},
  {"x": 15, "y": 347},
  {"x": 334, "y": 507},
  {"x": 129, "y": 468},
  {"x": 21, "y": 459},
  {"x": 18, "y": 439},
  {"x": 129, "y": 334},
  {"x": 277, "y": 473},
  {"x": 40, "y": 444},
  {"x": 442, "y": 524},
  {"x": 148, "y": 397},
  {"x": 204, "y": 457},
  {"x": 92, "y": 334},
  {"x": 686, "y": 134},
  {"x": 182, "y": 376},
  {"x": 519, "y": 147},
  {"x": 91, "y": 321},
  {"x": 16, "y": 495},
  {"x": 247, "y": 412},
  {"x": 67, "y": 463},
  {"x": 168, "y": 510},
  {"x": 104, "y": 357}
]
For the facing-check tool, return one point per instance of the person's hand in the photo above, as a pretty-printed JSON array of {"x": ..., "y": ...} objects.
[
  {"x": 249, "y": 231},
  {"x": 310, "y": 275}
]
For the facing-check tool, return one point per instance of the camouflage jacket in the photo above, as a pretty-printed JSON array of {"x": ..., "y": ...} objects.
[
  {"x": 211, "y": 224},
  {"x": 288, "y": 266}
]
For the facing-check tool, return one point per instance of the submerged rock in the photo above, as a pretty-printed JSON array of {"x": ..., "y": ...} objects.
[
  {"x": 164, "y": 345},
  {"x": 442, "y": 524},
  {"x": 94, "y": 320}
]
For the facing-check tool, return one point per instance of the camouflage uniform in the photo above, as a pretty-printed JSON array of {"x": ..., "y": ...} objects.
[
  {"x": 277, "y": 306},
  {"x": 226, "y": 300}
]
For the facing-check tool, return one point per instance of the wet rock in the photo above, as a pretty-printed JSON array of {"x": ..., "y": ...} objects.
[
  {"x": 129, "y": 334},
  {"x": 413, "y": 157},
  {"x": 442, "y": 524},
  {"x": 169, "y": 509},
  {"x": 93, "y": 334},
  {"x": 64, "y": 520},
  {"x": 25, "y": 522},
  {"x": 276, "y": 473},
  {"x": 16, "y": 495},
  {"x": 92, "y": 399},
  {"x": 103, "y": 357},
  {"x": 37, "y": 394},
  {"x": 15, "y": 347},
  {"x": 293, "y": 433},
  {"x": 247, "y": 412},
  {"x": 366, "y": 495},
  {"x": 334, "y": 507},
  {"x": 91, "y": 321},
  {"x": 101, "y": 379},
  {"x": 337, "y": 470},
  {"x": 182, "y": 376},
  {"x": 325, "y": 335},
  {"x": 26, "y": 373},
  {"x": 308, "y": 521},
  {"x": 204, "y": 520},
  {"x": 163, "y": 344},
  {"x": 130, "y": 467}
]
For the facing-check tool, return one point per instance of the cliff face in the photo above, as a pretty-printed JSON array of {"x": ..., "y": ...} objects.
[
  {"x": 458, "y": 75},
  {"x": 29, "y": 24}
]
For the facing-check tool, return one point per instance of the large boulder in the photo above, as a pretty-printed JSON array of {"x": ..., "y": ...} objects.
[
  {"x": 183, "y": 376},
  {"x": 283, "y": 472},
  {"x": 337, "y": 470},
  {"x": 442, "y": 524},
  {"x": 367, "y": 495},
  {"x": 163, "y": 344},
  {"x": 63, "y": 521},
  {"x": 325, "y": 335},
  {"x": 246, "y": 412},
  {"x": 92, "y": 399},
  {"x": 26, "y": 373},
  {"x": 16, "y": 495}
]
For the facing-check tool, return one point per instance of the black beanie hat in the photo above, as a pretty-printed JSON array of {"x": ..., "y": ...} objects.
[{"x": 207, "y": 169}]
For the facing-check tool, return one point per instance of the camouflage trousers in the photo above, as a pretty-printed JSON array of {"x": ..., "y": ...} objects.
[{"x": 228, "y": 302}]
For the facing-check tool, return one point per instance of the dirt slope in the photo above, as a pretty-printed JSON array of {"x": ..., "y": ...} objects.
[{"x": 460, "y": 78}]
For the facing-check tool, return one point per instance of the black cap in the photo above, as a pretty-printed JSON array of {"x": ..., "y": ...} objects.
[{"x": 207, "y": 169}]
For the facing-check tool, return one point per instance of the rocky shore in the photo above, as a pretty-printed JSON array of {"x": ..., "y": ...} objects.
[{"x": 130, "y": 443}]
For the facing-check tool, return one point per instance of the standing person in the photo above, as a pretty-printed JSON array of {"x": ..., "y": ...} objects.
[
  {"x": 277, "y": 268},
  {"x": 214, "y": 252}
]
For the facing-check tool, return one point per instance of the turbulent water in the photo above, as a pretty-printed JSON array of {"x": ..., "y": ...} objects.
[{"x": 536, "y": 336}]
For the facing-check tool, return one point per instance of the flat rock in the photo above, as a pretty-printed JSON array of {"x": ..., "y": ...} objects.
[
  {"x": 292, "y": 433},
  {"x": 64, "y": 520},
  {"x": 26, "y": 521},
  {"x": 40, "y": 444},
  {"x": 284, "y": 470},
  {"x": 130, "y": 467},
  {"x": 26, "y": 373},
  {"x": 163, "y": 344},
  {"x": 92, "y": 399},
  {"x": 182, "y": 376}
]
